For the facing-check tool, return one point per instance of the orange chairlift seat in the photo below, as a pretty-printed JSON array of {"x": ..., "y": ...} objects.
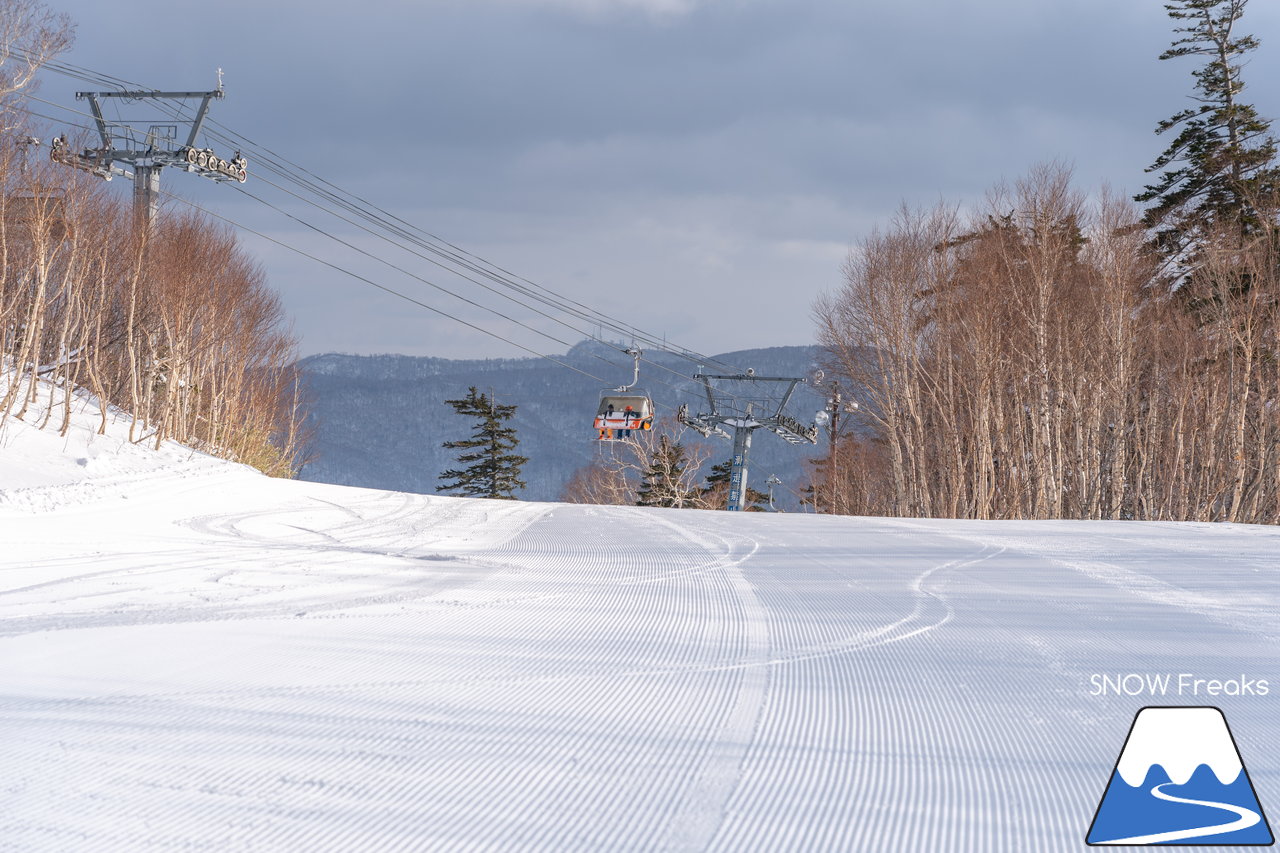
[
  {"x": 623, "y": 409},
  {"x": 620, "y": 413}
]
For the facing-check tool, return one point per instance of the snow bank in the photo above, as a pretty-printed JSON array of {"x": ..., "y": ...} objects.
[{"x": 41, "y": 469}]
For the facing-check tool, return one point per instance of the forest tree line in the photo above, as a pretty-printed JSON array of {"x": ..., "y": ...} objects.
[
  {"x": 1054, "y": 356},
  {"x": 174, "y": 324}
]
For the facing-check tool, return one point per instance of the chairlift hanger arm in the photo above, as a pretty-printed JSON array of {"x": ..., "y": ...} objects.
[{"x": 635, "y": 376}]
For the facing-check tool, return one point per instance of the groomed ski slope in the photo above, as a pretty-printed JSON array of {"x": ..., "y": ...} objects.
[{"x": 196, "y": 657}]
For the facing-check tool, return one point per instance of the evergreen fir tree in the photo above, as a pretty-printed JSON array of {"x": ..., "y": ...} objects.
[
  {"x": 488, "y": 468},
  {"x": 1220, "y": 166},
  {"x": 663, "y": 483},
  {"x": 715, "y": 492}
]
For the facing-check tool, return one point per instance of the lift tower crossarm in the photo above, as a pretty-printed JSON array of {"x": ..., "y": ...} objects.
[
  {"x": 786, "y": 396},
  {"x": 749, "y": 377},
  {"x": 150, "y": 154},
  {"x": 743, "y": 421},
  {"x": 196, "y": 124},
  {"x": 148, "y": 93}
]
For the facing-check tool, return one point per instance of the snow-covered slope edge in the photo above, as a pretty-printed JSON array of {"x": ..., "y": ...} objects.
[
  {"x": 42, "y": 469},
  {"x": 200, "y": 657}
]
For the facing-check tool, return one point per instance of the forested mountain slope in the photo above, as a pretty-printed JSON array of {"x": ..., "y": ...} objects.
[{"x": 380, "y": 421}]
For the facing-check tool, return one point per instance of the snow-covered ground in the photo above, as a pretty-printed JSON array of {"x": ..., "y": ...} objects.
[{"x": 196, "y": 657}]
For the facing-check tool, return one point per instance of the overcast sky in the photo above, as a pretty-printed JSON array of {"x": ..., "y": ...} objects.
[{"x": 698, "y": 168}]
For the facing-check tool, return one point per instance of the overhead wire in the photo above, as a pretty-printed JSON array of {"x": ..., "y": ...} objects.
[
  {"x": 266, "y": 157},
  {"x": 397, "y": 268},
  {"x": 406, "y": 231},
  {"x": 396, "y": 225},
  {"x": 467, "y": 269},
  {"x": 586, "y": 333},
  {"x": 400, "y": 226},
  {"x": 330, "y": 236},
  {"x": 371, "y": 282}
]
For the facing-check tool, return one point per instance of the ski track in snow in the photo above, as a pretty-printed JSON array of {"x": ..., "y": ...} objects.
[{"x": 226, "y": 663}]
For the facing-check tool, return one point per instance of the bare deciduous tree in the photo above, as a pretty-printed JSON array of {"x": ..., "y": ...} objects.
[
  {"x": 1023, "y": 365},
  {"x": 615, "y": 477}
]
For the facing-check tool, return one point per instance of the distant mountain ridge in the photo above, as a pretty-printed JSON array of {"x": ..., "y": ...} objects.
[{"x": 379, "y": 421}]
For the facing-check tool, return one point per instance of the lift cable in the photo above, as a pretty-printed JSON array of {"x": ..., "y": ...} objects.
[
  {"x": 398, "y": 293},
  {"x": 396, "y": 225},
  {"x": 348, "y": 245},
  {"x": 586, "y": 333},
  {"x": 392, "y": 291},
  {"x": 457, "y": 255}
]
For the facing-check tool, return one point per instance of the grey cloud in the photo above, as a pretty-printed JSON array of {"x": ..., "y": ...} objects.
[{"x": 636, "y": 153}]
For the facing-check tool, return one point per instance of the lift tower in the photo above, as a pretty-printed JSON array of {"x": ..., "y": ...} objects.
[
  {"x": 739, "y": 403},
  {"x": 149, "y": 152}
]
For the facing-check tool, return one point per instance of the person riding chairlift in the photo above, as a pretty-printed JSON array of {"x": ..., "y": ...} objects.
[{"x": 606, "y": 432}]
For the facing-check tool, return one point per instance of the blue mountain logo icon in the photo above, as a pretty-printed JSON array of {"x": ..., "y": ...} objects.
[{"x": 1180, "y": 780}]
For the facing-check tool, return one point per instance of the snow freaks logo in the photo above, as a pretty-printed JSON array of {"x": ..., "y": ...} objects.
[
  {"x": 1181, "y": 684},
  {"x": 1179, "y": 780}
]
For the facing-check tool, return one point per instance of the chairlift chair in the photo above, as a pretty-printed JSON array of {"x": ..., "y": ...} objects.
[
  {"x": 624, "y": 408},
  {"x": 619, "y": 413}
]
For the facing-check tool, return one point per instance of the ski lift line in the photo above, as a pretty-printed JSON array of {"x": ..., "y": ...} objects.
[
  {"x": 439, "y": 287},
  {"x": 569, "y": 309},
  {"x": 435, "y": 285},
  {"x": 430, "y": 247},
  {"x": 585, "y": 333},
  {"x": 390, "y": 290},
  {"x": 429, "y": 260},
  {"x": 575, "y": 329},
  {"x": 462, "y": 262},
  {"x": 581, "y": 332},
  {"x": 393, "y": 291},
  {"x": 456, "y": 255},
  {"x": 326, "y": 234},
  {"x": 61, "y": 67},
  {"x": 452, "y": 252},
  {"x": 512, "y": 320},
  {"x": 386, "y": 219},
  {"x": 402, "y": 270},
  {"x": 510, "y": 278}
]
